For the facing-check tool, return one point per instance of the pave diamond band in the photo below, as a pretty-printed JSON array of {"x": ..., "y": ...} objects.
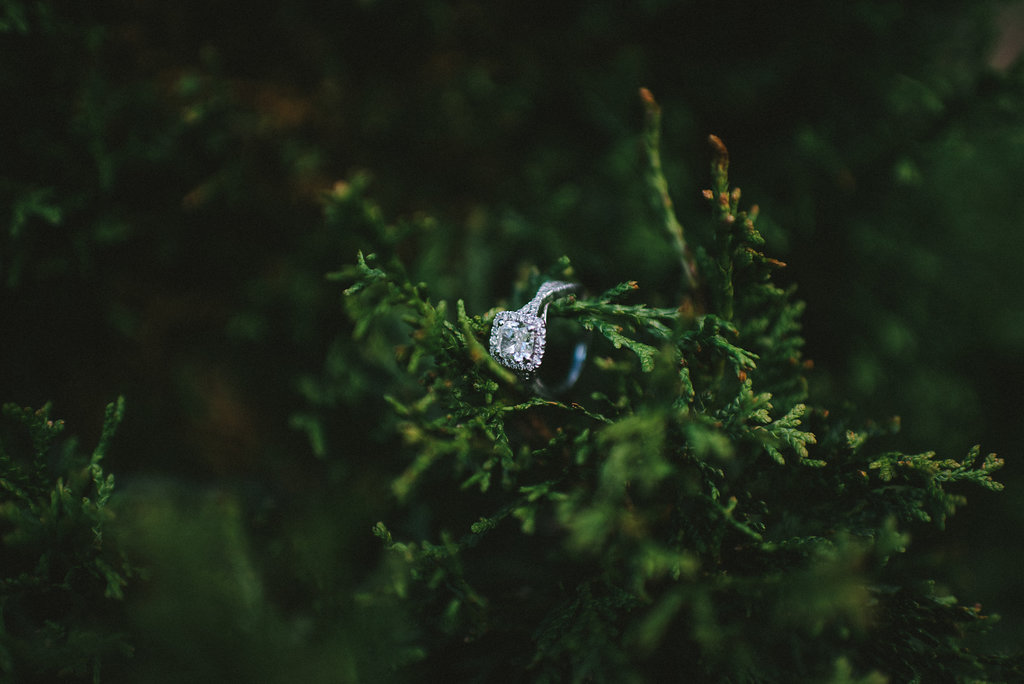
[{"x": 518, "y": 338}]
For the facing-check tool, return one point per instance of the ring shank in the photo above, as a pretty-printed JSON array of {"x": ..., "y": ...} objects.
[
  {"x": 547, "y": 293},
  {"x": 579, "y": 356}
]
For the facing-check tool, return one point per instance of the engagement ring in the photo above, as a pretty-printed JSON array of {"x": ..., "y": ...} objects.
[{"x": 518, "y": 339}]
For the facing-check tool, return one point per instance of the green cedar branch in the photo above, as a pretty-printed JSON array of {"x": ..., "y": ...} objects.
[
  {"x": 58, "y": 564},
  {"x": 659, "y": 185},
  {"x": 621, "y": 324}
]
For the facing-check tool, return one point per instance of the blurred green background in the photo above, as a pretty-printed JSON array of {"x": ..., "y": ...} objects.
[{"x": 177, "y": 178}]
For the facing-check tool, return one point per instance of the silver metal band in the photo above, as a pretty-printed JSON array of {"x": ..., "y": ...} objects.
[
  {"x": 518, "y": 339},
  {"x": 547, "y": 293}
]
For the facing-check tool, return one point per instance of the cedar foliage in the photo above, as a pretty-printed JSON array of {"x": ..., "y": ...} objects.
[
  {"x": 686, "y": 512},
  {"x": 161, "y": 240},
  {"x": 58, "y": 572}
]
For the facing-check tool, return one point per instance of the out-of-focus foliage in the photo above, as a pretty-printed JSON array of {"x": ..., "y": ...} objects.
[{"x": 176, "y": 178}]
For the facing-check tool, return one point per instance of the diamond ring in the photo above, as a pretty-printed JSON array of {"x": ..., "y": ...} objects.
[{"x": 518, "y": 339}]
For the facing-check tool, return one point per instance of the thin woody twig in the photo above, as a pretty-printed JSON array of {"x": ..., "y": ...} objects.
[{"x": 656, "y": 178}]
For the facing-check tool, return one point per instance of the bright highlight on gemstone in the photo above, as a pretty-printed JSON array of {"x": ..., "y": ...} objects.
[{"x": 515, "y": 341}]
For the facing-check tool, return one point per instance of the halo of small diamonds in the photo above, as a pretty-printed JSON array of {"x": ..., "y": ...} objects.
[{"x": 517, "y": 341}]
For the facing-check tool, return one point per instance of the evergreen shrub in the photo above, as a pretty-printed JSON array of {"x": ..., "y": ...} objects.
[{"x": 686, "y": 513}]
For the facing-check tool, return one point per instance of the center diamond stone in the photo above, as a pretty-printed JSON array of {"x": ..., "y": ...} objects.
[{"x": 515, "y": 341}]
